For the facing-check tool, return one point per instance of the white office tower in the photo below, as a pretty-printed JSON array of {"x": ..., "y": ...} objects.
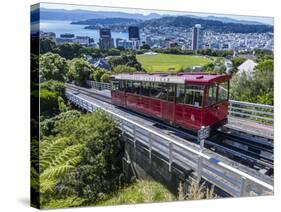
[{"x": 197, "y": 37}]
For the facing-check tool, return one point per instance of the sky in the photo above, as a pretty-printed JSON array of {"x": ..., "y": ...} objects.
[{"x": 265, "y": 20}]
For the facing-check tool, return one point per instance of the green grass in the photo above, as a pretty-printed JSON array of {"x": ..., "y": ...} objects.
[
  {"x": 170, "y": 62},
  {"x": 142, "y": 191}
]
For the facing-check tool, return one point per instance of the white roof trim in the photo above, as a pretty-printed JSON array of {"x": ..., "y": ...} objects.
[{"x": 152, "y": 78}]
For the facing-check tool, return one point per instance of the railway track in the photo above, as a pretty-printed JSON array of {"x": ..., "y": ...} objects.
[{"x": 255, "y": 152}]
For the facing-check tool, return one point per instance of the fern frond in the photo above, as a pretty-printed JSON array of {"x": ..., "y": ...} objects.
[
  {"x": 50, "y": 149},
  {"x": 67, "y": 155},
  {"x": 54, "y": 172},
  {"x": 56, "y": 159}
]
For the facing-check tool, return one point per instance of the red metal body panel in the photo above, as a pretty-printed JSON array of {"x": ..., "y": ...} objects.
[
  {"x": 183, "y": 115},
  {"x": 188, "y": 116},
  {"x": 118, "y": 98},
  {"x": 215, "y": 113}
]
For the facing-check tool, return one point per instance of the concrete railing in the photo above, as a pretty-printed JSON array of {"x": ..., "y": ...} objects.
[
  {"x": 226, "y": 177},
  {"x": 257, "y": 112}
]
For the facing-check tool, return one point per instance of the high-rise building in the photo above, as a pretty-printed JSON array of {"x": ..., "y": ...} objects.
[
  {"x": 134, "y": 36},
  {"x": 134, "y": 33},
  {"x": 105, "y": 41},
  {"x": 197, "y": 37}
]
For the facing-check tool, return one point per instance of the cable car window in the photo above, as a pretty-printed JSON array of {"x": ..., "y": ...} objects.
[
  {"x": 223, "y": 91},
  {"x": 145, "y": 88},
  {"x": 164, "y": 91},
  {"x": 115, "y": 85},
  {"x": 180, "y": 93},
  {"x": 129, "y": 88},
  {"x": 194, "y": 95},
  {"x": 155, "y": 90},
  {"x": 171, "y": 92},
  {"x": 122, "y": 85},
  {"x": 212, "y": 95},
  {"x": 136, "y": 87}
]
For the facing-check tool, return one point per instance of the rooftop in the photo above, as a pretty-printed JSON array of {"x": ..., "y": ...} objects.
[{"x": 181, "y": 78}]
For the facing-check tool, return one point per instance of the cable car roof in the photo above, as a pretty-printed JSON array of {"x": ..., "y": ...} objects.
[{"x": 180, "y": 78}]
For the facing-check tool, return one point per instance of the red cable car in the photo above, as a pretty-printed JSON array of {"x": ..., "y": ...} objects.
[{"x": 189, "y": 100}]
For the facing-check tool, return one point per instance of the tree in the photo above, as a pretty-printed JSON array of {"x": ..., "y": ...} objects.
[
  {"x": 80, "y": 71},
  {"x": 98, "y": 74},
  {"x": 257, "y": 88},
  {"x": 46, "y": 45},
  {"x": 264, "y": 82},
  {"x": 105, "y": 77},
  {"x": 113, "y": 52},
  {"x": 145, "y": 46},
  {"x": 56, "y": 124},
  {"x": 61, "y": 104},
  {"x": 124, "y": 69},
  {"x": 126, "y": 59},
  {"x": 69, "y": 50},
  {"x": 100, "y": 165},
  {"x": 55, "y": 86},
  {"x": 237, "y": 61},
  {"x": 48, "y": 102},
  {"x": 52, "y": 67}
]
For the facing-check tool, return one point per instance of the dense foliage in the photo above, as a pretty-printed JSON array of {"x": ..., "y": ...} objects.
[
  {"x": 46, "y": 45},
  {"x": 69, "y": 50},
  {"x": 237, "y": 61},
  {"x": 258, "y": 87},
  {"x": 52, "y": 67},
  {"x": 80, "y": 70},
  {"x": 126, "y": 59},
  {"x": 80, "y": 156},
  {"x": 207, "y": 52},
  {"x": 98, "y": 74},
  {"x": 123, "y": 69},
  {"x": 51, "y": 101}
]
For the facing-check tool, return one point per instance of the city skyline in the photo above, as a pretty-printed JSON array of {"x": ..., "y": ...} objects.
[{"x": 261, "y": 19}]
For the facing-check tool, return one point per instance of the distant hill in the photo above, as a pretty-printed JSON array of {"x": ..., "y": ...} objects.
[
  {"x": 214, "y": 25},
  {"x": 107, "y": 21},
  {"x": 231, "y": 20},
  {"x": 79, "y": 15}
]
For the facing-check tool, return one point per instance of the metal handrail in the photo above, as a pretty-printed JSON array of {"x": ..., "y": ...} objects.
[
  {"x": 182, "y": 154},
  {"x": 257, "y": 112},
  {"x": 247, "y": 110}
]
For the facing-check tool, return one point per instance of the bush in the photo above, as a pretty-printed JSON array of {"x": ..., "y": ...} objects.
[
  {"x": 80, "y": 71},
  {"x": 52, "y": 67},
  {"x": 124, "y": 69},
  {"x": 48, "y": 102},
  {"x": 98, "y": 74},
  {"x": 101, "y": 159},
  {"x": 105, "y": 77},
  {"x": 54, "y": 125},
  {"x": 79, "y": 160},
  {"x": 55, "y": 86}
]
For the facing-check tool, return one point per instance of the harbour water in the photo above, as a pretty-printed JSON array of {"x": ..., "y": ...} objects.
[{"x": 60, "y": 27}]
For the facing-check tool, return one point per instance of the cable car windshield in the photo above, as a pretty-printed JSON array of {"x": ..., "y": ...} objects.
[{"x": 217, "y": 93}]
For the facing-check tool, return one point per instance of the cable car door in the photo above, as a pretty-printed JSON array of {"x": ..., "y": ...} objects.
[{"x": 168, "y": 102}]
